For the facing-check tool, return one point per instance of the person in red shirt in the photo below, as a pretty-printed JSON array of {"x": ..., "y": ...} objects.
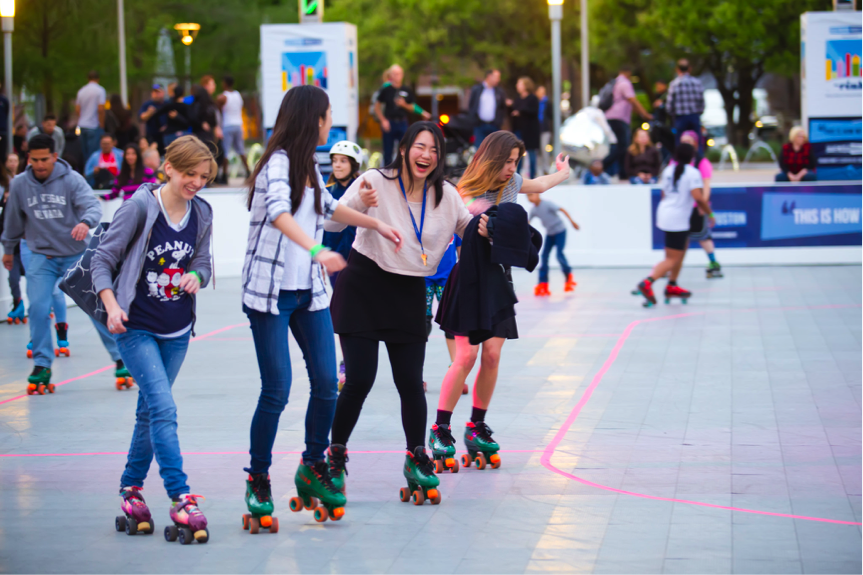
[
  {"x": 104, "y": 165},
  {"x": 797, "y": 161}
]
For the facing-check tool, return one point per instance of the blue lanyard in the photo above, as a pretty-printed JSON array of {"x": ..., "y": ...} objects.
[{"x": 417, "y": 230}]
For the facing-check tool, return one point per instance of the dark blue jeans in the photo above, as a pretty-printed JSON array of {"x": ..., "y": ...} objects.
[
  {"x": 90, "y": 141},
  {"x": 392, "y": 139},
  {"x": 809, "y": 177},
  {"x": 687, "y": 122},
  {"x": 313, "y": 331},
  {"x": 483, "y": 131},
  {"x": 613, "y": 162},
  {"x": 556, "y": 241},
  {"x": 154, "y": 362}
]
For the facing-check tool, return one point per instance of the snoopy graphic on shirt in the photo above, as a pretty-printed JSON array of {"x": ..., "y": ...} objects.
[{"x": 164, "y": 266}]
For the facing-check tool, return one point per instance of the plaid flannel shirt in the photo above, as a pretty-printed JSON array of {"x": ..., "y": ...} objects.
[
  {"x": 685, "y": 96},
  {"x": 265, "y": 252}
]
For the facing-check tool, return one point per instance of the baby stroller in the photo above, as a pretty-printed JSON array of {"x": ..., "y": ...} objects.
[{"x": 458, "y": 134}]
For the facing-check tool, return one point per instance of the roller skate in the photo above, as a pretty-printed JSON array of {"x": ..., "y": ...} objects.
[
  {"x": 341, "y": 376},
  {"x": 714, "y": 270},
  {"x": 30, "y": 350},
  {"x": 124, "y": 379},
  {"x": 422, "y": 482},
  {"x": 442, "y": 445},
  {"x": 259, "y": 500},
  {"x": 16, "y": 315},
  {"x": 62, "y": 340},
  {"x": 570, "y": 284},
  {"x": 645, "y": 288},
  {"x": 136, "y": 516},
  {"x": 337, "y": 458},
  {"x": 481, "y": 448},
  {"x": 189, "y": 521},
  {"x": 676, "y": 291},
  {"x": 316, "y": 492},
  {"x": 541, "y": 289},
  {"x": 39, "y": 381}
]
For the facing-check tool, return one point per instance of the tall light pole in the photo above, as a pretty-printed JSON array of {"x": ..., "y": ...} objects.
[
  {"x": 555, "y": 13},
  {"x": 121, "y": 27},
  {"x": 7, "y": 14},
  {"x": 585, "y": 57},
  {"x": 188, "y": 31}
]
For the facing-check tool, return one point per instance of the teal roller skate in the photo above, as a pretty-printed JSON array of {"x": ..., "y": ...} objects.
[
  {"x": 442, "y": 445},
  {"x": 30, "y": 350},
  {"x": 481, "y": 448},
  {"x": 62, "y": 340},
  {"x": 422, "y": 482},
  {"x": 39, "y": 382},
  {"x": 714, "y": 270},
  {"x": 124, "y": 379},
  {"x": 17, "y": 316},
  {"x": 337, "y": 458},
  {"x": 317, "y": 492},
  {"x": 259, "y": 500}
]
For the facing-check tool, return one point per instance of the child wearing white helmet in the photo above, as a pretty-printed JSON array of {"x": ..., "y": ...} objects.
[{"x": 346, "y": 158}]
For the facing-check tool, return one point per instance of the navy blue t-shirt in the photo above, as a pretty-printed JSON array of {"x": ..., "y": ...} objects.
[{"x": 160, "y": 306}]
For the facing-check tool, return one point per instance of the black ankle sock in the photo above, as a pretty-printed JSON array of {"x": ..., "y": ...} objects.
[
  {"x": 477, "y": 415},
  {"x": 443, "y": 417},
  {"x": 672, "y": 282},
  {"x": 120, "y": 364}
]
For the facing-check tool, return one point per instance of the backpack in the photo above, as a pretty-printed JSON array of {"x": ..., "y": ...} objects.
[
  {"x": 606, "y": 95},
  {"x": 78, "y": 281}
]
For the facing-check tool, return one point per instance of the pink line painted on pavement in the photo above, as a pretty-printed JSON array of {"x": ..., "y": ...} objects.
[
  {"x": 94, "y": 453},
  {"x": 549, "y": 450}
]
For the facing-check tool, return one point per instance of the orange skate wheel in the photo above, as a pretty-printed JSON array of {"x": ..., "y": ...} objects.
[
  {"x": 404, "y": 494},
  {"x": 9, "y": 320},
  {"x": 465, "y": 460},
  {"x": 246, "y": 518},
  {"x": 313, "y": 503},
  {"x": 419, "y": 498},
  {"x": 29, "y": 354},
  {"x": 438, "y": 466},
  {"x": 274, "y": 528},
  {"x": 56, "y": 353},
  {"x": 321, "y": 514},
  {"x": 454, "y": 468},
  {"x": 50, "y": 388},
  {"x": 436, "y": 500},
  {"x": 31, "y": 389},
  {"x": 480, "y": 460},
  {"x": 119, "y": 383},
  {"x": 495, "y": 461},
  {"x": 40, "y": 389},
  {"x": 266, "y": 521},
  {"x": 24, "y": 320},
  {"x": 296, "y": 504},
  {"x": 254, "y": 525}
]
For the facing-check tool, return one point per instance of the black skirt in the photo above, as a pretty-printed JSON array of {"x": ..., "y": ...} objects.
[{"x": 375, "y": 304}]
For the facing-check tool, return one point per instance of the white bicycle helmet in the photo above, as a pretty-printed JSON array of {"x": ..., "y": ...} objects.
[{"x": 349, "y": 149}]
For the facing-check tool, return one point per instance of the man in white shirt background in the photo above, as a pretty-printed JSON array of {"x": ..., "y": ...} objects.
[
  {"x": 231, "y": 104},
  {"x": 90, "y": 107},
  {"x": 487, "y": 106}
]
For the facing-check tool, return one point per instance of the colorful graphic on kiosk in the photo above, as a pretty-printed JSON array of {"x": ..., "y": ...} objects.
[
  {"x": 304, "y": 69},
  {"x": 843, "y": 59},
  {"x": 780, "y": 216}
]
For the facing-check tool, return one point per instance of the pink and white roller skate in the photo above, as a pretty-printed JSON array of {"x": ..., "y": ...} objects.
[
  {"x": 136, "y": 516},
  {"x": 189, "y": 521}
]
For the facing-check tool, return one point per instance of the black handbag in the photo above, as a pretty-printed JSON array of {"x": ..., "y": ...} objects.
[{"x": 78, "y": 281}]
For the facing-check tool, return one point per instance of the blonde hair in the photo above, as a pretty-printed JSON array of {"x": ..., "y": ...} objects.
[
  {"x": 483, "y": 173},
  {"x": 796, "y": 131},
  {"x": 186, "y": 152},
  {"x": 528, "y": 84},
  {"x": 634, "y": 148}
]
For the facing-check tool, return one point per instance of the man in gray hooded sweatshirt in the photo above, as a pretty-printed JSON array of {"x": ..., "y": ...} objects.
[{"x": 54, "y": 208}]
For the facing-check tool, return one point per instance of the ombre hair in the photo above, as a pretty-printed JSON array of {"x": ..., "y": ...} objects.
[
  {"x": 186, "y": 152},
  {"x": 483, "y": 173}
]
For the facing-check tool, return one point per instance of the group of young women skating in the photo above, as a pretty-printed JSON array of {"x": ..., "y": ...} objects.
[{"x": 406, "y": 216}]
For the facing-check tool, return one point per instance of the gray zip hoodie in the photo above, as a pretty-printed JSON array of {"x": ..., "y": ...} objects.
[
  {"x": 116, "y": 243},
  {"x": 45, "y": 212}
]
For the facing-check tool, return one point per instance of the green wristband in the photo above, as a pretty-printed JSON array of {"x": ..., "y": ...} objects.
[
  {"x": 318, "y": 249},
  {"x": 418, "y": 110},
  {"x": 200, "y": 279}
]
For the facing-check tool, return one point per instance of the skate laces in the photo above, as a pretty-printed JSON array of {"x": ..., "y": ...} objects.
[
  {"x": 189, "y": 503},
  {"x": 483, "y": 431},
  {"x": 338, "y": 459},
  {"x": 444, "y": 434},
  {"x": 261, "y": 487},
  {"x": 322, "y": 471},
  {"x": 422, "y": 461},
  {"x": 133, "y": 494}
]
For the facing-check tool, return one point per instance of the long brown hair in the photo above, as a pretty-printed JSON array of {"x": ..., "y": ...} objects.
[
  {"x": 483, "y": 173},
  {"x": 635, "y": 148}
]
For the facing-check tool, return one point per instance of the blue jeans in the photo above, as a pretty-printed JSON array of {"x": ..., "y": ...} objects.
[
  {"x": 43, "y": 274},
  {"x": 154, "y": 362},
  {"x": 809, "y": 177},
  {"x": 90, "y": 141},
  {"x": 313, "y": 331},
  {"x": 613, "y": 162},
  {"x": 58, "y": 300},
  {"x": 687, "y": 122},
  {"x": 554, "y": 241},
  {"x": 636, "y": 181},
  {"x": 531, "y": 156},
  {"x": 483, "y": 131},
  {"x": 392, "y": 139}
]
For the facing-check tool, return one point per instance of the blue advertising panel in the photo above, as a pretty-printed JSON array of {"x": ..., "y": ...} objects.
[
  {"x": 836, "y": 147},
  {"x": 778, "y": 216}
]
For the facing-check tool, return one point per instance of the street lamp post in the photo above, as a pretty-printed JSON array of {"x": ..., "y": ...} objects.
[
  {"x": 585, "y": 57},
  {"x": 121, "y": 27},
  {"x": 7, "y": 13},
  {"x": 188, "y": 31},
  {"x": 555, "y": 13}
]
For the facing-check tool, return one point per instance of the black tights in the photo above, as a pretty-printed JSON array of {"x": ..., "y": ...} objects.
[{"x": 361, "y": 367}]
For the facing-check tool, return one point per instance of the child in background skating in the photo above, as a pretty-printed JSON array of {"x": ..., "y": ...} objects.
[
  {"x": 379, "y": 296},
  {"x": 555, "y": 237},
  {"x": 698, "y": 228},
  {"x": 283, "y": 286},
  {"x": 154, "y": 320},
  {"x": 346, "y": 158},
  {"x": 681, "y": 185},
  {"x": 490, "y": 179}
]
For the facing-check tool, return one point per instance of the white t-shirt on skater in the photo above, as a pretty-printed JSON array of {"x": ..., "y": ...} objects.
[
  {"x": 674, "y": 209},
  {"x": 232, "y": 111}
]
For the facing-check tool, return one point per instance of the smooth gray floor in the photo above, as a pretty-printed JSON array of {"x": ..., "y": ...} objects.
[{"x": 751, "y": 400}]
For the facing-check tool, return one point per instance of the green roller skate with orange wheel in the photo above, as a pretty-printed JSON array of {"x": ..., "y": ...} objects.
[
  {"x": 422, "y": 481},
  {"x": 482, "y": 450},
  {"x": 123, "y": 379},
  {"x": 39, "y": 382},
  {"x": 442, "y": 445},
  {"x": 259, "y": 500},
  {"x": 317, "y": 493}
]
